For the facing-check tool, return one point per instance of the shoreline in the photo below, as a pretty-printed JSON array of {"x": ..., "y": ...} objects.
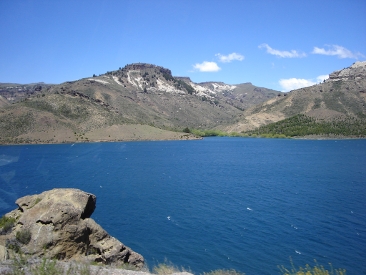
[
  {"x": 99, "y": 141},
  {"x": 179, "y": 139}
]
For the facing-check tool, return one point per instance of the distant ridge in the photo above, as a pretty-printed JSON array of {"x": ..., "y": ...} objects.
[
  {"x": 101, "y": 107},
  {"x": 147, "y": 97}
]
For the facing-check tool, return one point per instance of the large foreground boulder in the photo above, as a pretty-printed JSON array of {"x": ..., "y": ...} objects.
[{"x": 57, "y": 224}]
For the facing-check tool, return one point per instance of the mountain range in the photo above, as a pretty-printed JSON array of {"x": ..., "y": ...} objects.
[{"x": 144, "y": 101}]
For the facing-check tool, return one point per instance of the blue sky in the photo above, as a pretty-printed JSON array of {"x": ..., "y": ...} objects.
[{"x": 271, "y": 43}]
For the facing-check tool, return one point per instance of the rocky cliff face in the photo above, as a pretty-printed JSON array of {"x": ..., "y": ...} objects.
[
  {"x": 57, "y": 224},
  {"x": 355, "y": 72}
]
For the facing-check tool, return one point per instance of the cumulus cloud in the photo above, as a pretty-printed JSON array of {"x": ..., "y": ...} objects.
[
  {"x": 321, "y": 78},
  {"x": 297, "y": 83},
  {"x": 207, "y": 66},
  {"x": 283, "y": 54},
  {"x": 294, "y": 83},
  {"x": 339, "y": 51},
  {"x": 230, "y": 57}
]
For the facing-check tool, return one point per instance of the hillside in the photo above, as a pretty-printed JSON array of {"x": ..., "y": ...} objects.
[
  {"x": 145, "y": 96},
  {"x": 145, "y": 102},
  {"x": 340, "y": 99},
  {"x": 12, "y": 92}
]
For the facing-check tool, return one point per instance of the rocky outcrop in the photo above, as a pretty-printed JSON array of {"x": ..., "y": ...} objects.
[
  {"x": 355, "y": 72},
  {"x": 58, "y": 225},
  {"x": 3, "y": 253}
]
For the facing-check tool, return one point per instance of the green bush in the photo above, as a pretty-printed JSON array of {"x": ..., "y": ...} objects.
[
  {"x": 209, "y": 133},
  {"x": 186, "y": 130},
  {"x": 6, "y": 224},
  {"x": 23, "y": 236}
]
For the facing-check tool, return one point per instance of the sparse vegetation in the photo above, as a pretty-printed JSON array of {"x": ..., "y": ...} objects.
[
  {"x": 13, "y": 245},
  {"x": 167, "y": 268},
  {"x": 6, "y": 224},
  {"x": 164, "y": 269},
  {"x": 12, "y": 126},
  {"x": 22, "y": 265},
  {"x": 35, "y": 202},
  {"x": 309, "y": 270},
  {"x": 302, "y": 125}
]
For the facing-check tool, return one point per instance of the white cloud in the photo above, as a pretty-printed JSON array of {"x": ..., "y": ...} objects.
[
  {"x": 339, "y": 51},
  {"x": 207, "y": 66},
  {"x": 297, "y": 83},
  {"x": 284, "y": 54},
  {"x": 230, "y": 57},
  {"x": 321, "y": 78},
  {"x": 294, "y": 83}
]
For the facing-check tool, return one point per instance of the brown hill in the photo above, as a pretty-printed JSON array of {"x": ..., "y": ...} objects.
[
  {"x": 342, "y": 96},
  {"x": 138, "y": 94}
]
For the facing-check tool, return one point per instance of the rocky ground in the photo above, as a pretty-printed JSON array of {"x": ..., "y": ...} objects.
[{"x": 74, "y": 268}]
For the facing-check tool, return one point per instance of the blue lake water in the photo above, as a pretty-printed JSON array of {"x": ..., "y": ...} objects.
[{"x": 218, "y": 203}]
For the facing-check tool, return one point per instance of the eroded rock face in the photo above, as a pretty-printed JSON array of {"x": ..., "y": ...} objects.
[
  {"x": 355, "y": 72},
  {"x": 60, "y": 226}
]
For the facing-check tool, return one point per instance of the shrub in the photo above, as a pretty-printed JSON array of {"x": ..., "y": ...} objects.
[
  {"x": 6, "y": 224},
  {"x": 186, "y": 130},
  {"x": 12, "y": 244},
  {"x": 23, "y": 236}
]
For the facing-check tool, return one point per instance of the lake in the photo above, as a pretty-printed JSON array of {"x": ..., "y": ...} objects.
[{"x": 219, "y": 203}]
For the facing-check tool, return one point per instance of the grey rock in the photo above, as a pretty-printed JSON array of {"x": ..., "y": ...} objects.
[
  {"x": 3, "y": 253},
  {"x": 60, "y": 226}
]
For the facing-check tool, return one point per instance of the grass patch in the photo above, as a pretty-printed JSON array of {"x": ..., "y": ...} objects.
[
  {"x": 223, "y": 272},
  {"x": 311, "y": 270},
  {"x": 167, "y": 268},
  {"x": 12, "y": 125},
  {"x": 21, "y": 265}
]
